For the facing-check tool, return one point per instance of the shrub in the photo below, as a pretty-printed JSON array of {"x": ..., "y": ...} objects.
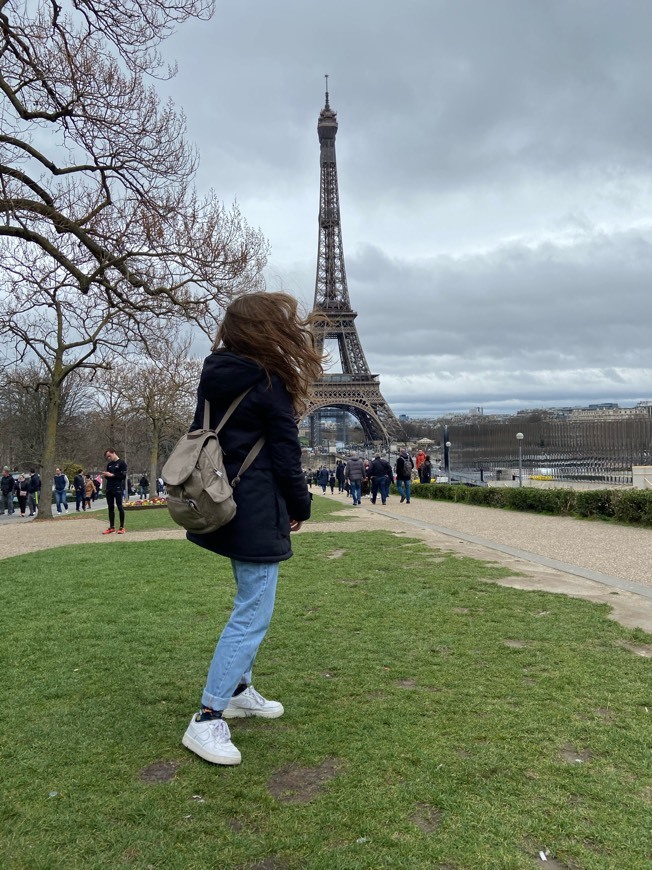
[
  {"x": 484, "y": 495},
  {"x": 543, "y": 501},
  {"x": 596, "y": 503},
  {"x": 633, "y": 507}
]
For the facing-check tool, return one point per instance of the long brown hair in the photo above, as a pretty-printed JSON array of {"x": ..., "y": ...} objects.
[{"x": 268, "y": 329}]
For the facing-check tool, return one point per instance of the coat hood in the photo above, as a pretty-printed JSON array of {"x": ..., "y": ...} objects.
[{"x": 225, "y": 375}]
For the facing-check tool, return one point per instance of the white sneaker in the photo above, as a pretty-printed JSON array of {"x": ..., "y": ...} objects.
[
  {"x": 251, "y": 703},
  {"x": 211, "y": 740}
]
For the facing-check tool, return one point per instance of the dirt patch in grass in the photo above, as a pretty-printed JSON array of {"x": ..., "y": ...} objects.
[
  {"x": 570, "y": 755},
  {"x": 406, "y": 684},
  {"x": 270, "y": 863},
  {"x": 427, "y": 818},
  {"x": 515, "y": 644},
  {"x": 159, "y": 771},
  {"x": 299, "y": 785},
  {"x": 336, "y": 554}
]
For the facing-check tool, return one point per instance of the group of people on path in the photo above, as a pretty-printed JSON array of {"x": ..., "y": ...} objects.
[
  {"x": 26, "y": 489},
  {"x": 359, "y": 477}
]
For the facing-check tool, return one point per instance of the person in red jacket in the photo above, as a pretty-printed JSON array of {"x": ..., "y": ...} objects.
[{"x": 265, "y": 347}]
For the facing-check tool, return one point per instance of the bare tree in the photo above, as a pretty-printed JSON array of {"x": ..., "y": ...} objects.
[
  {"x": 96, "y": 175},
  {"x": 162, "y": 391}
]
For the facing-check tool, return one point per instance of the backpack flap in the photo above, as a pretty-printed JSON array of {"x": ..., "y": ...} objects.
[{"x": 185, "y": 455}]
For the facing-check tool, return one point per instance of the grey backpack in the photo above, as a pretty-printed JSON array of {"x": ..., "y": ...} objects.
[{"x": 200, "y": 496}]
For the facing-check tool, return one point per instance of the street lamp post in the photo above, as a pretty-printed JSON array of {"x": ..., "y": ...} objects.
[
  {"x": 447, "y": 461},
  {"x": 519, "y": 436}
]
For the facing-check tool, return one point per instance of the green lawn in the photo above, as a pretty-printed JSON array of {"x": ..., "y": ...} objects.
[
  {"x": 433, "y": 719},
  {"x": 323, "y": 510}
]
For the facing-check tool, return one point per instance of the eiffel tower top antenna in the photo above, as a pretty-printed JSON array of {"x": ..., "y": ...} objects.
[{"x": 326, "y": 106}]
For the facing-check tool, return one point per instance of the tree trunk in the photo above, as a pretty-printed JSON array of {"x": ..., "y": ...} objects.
[
  {"x": 153, "y": 460},
  {"x": 49, "y": 449}
]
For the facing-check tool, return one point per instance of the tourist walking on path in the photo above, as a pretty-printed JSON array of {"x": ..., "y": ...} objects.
[
  {"x": 262, "y": 346},
  {"x": 339, "y": 475},
  {"x": 380, "y": 472},
  {"x": 354, "y": 472},
  {"x": 115, "y": 476},
  {"x": 89, "y": 492},
  {"x": 425, "y": 471},
  {"x": 403, "y": 475},
  {"x": 33, "y": 491},
  {"x": 22, "y": 490},
  {"x": 61, "y": 485},
  {"x": 322, "y": 478},
  {"x": 7, "y": 486},
  {"x": 80, "y": 490}
]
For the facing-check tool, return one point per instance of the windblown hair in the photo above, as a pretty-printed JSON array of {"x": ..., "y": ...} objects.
[{"x": 268, "y": 329}]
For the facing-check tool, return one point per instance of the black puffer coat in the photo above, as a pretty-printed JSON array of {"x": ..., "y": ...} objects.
[{"x": 273, "y": 488}]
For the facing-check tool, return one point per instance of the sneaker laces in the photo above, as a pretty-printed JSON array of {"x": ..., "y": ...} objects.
[
  {"x": 220, "y": 730},
  {"x": 257, "y": 697}
]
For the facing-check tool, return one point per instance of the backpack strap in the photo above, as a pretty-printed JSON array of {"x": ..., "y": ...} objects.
[
  {"x": 253, "y": 453},
  {"x": 255, "y": 450},
  {"x": 234, "y": 404}
]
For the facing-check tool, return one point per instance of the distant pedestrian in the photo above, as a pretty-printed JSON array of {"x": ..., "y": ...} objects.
[
  {"x": 80, "y": 490},
  {"x": 331, "y": 482},
  {"x": 143, "y": 485},
  {"x": 89, "y": 492},
  {"x": 353, "y": 473},
  {"x": 115, "y": 476},
  {"x": 381, "y": 475},
  {"x": 425, "y": 472},
  {"x": 33, "y": 491},
  {"x": 339, "y": 474},
  {"x": 404, "y": 475},
  {"x": 61, "y": 485},
  {"x": 322, "y": 478},
  {"x": 7, "y": 486},
  {"x": 22, "y": 490}
]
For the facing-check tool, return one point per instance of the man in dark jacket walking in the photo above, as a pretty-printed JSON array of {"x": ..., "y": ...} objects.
[
  {"x": 404, "y": 475},
  {"x": 33, "y": 490},
  {"x": 79, "y": 484},
  {"x": 7, "y": 485},
  {"x": 354, "y": 473},
  {"x": 380, "y": 472}
]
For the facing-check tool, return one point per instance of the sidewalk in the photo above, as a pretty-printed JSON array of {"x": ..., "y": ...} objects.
[{"x": 598, "y": 561}]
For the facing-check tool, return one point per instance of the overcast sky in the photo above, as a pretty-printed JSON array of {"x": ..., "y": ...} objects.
[{"x": 495, "y": 175}]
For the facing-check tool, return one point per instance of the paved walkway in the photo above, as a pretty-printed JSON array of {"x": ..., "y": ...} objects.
[{"x": 593, "y": 560}]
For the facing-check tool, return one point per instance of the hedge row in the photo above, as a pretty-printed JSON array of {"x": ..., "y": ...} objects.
[{"x": 633, "y": 507}]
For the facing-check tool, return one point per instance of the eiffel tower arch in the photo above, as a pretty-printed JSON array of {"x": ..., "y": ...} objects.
[{"x": 356, "y": 390}]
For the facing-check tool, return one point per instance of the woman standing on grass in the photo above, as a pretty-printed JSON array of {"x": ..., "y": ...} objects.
[{"x": 265, "y": 347}]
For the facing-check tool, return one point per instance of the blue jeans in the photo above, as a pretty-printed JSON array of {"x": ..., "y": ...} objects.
[
  {"x": 7, "y": 501},
  {"x": 403, "y": 487},
  {"x": 244, "y": 632},
  {"x": 356, "y": 490},
  {"x": 62, "y": 499},
  {"x": 380, "y": 484}
]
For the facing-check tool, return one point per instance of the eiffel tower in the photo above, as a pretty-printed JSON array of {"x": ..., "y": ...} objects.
[{"x": 355, "y": 391}]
